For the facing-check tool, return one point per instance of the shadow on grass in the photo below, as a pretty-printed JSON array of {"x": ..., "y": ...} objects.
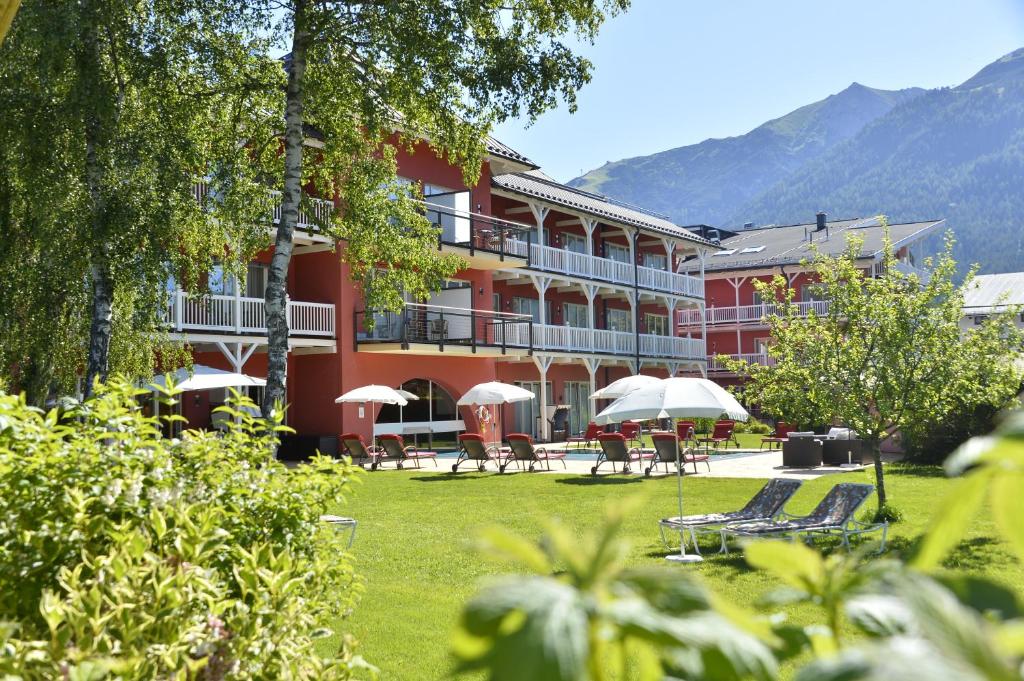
[
  {"x": 449, "y": 476},
  {"x": 919, "y": 470},
  {"x": 590, "y": 480},
  {"x": 973, "y": 554}
]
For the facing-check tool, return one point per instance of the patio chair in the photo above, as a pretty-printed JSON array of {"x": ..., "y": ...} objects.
[
  {"x": 396, "y": 450},
  {"x": 665, "y": 452},
  {"x": 631, "y": 431},
  {"x": 781, "y": 435},
  {"x": 472, "y": 447},
  {"x": 523, "y": 450},
  {"x": 587, "y": 436},
  {"x": 686, "y": 430},
  {"x": 723, "y": 432},
  {"x": 834, "y": 516},
  {"x": 355, "y": 446},
  {"x": 765, "y": 505},
  {"x": 614, "y": 450}
]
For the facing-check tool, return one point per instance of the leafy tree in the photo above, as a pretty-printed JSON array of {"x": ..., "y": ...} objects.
[
  {"x": 111, "y": 114},
  {"x": 888, "y": 353},
  {"x": 373, "y": 77}
]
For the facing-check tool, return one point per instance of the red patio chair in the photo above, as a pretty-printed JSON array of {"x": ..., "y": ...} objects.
[
  {"x": 782, "y": 431},
  {"x": 614, "y": 450},
  {"x": 472, "y": 447},
  {"x": 723, "y": 432},
  {"x": 665, "y": 446},
  {"x": 631, "y": 431},
  {"x": 355, "y": 446},
  {"x": 586, "y": 437},
  {"x": 523, "y": 450},
  {"x": 396, "y": 450},
  {"x": 686, "y": 430}
]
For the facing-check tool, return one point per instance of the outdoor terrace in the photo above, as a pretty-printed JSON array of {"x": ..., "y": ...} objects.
[
  {"x": 240, "y": 315},
  {"x": 746, "y": 314},
  {"x": 715, "y": 364}
]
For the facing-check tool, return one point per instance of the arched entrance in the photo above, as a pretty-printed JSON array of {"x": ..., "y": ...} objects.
[{"x": 432, "y": 420}]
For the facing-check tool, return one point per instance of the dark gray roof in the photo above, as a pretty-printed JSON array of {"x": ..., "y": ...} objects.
[
  {"x": 538, "y": 186},
  {"x": 788, "y": 245},
  {"x": 498, "y": 148},
  {"x": 994, "y": 292}
]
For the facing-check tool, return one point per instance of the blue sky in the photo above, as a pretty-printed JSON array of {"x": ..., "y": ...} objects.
[{"x": 674, "y": 72}]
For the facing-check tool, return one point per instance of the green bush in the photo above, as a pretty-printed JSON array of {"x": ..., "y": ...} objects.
[
  {"x": 754, "y": 426},
  {"x": 128, "y": 555}
]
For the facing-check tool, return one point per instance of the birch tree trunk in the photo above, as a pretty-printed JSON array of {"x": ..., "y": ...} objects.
[
  {"x": 876, "y": 450},
  {"x": 275, "y": 302}
]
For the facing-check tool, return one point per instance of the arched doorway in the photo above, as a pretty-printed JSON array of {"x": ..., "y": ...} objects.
[{"x": 432, "y": 421}]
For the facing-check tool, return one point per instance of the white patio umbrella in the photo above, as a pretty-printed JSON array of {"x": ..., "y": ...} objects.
[
  {"x": 203, "y": 377},
  {"x": 675, "y": 397},
  {"x": 494, "y": 393},
  {"x": 374, "y": 394},
  {"x": 624, "y": 386}
]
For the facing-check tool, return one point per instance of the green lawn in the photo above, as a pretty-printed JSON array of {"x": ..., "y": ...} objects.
[{"x": 413, "y": 546}]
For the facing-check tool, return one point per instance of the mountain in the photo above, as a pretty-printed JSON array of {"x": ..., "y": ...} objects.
[
  {"x": 705, "y": 182},
  {"x": 954, "y": 152}
]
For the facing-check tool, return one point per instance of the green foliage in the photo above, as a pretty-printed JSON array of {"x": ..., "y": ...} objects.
[
  {"x": 581, "y": 615},
  {"x": 754, "y": 426},
  {"x": 124, "y": 554},
  {"x": 888, "y": 354}
]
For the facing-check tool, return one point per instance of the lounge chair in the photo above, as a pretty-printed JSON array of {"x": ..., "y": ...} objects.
[
  {"x": 523, "y": 450},
  {"x": 396, "y": 450},
  {"x": 355, "y": 445},
  {"x": 765, "y": 505},
  {"x": 472, "y": 447},
  {"x": 631, "y": 431},
  {"x": 614, "y": 450},
  {"x": 723, "y": 432},
  {"x": 665, "y": 452},
  {"x": 781, "y": 435},
  {"x": 587, "y": 436},
  {"x": 686, "y": 430},
  {"x": 834, "y": 515}
]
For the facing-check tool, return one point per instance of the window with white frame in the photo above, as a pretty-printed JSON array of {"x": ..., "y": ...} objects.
[
  {"x": 574, "y": 243},
  {"x": 616, "y": 252},
  {"x": 574, "y": 314},
  {"x": 618, "y": 320},
  {"x": 655, "y": 261},
  {"x": 656, "y": 324},
  {"x": 531, "y": 306}
]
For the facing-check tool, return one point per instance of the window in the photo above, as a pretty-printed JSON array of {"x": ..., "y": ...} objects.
[
  {"x": 256, "y": 280},
  {"x": 220, "y": 282},
  {"x": 752, "y": 249},
  {"x": 728, "y": 251},
  {"x": 496, "y": 302},
  {"x": 655, "y": 261},
  {"x": 616, "y": 252},
  {"x": 809, "y": 292},
  {"x": 656, "y": 324},
  {"x": 574, "y": 314},
  {"x": 574, "y": 243},
  {"x": 531, "y": 306},
  {"x": 618, "y": 320},
  {"x": 761, "y": 345}
]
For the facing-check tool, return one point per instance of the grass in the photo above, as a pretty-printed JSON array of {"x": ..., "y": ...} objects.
[{"x": 414, "y": 545}]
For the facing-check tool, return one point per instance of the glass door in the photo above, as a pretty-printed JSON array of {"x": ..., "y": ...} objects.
[
  {"x": 577, "y": 396},
  {"x": 526, "y": 417}
]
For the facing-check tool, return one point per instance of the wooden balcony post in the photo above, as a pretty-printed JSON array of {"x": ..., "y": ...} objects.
[{"x": 179, "y": 302}]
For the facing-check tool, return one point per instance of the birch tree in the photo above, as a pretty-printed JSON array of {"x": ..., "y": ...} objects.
[
  {"x": 888, "y": 353},
  {"x": 373, "y": 77},
  {"x": 112, "y": 114}
]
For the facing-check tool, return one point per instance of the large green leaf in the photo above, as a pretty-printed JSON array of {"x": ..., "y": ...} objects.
[
  {"x": 1008, "y": 508},
  {"x": 955, "y": 512},
  {"x": 983, "y": 595}
]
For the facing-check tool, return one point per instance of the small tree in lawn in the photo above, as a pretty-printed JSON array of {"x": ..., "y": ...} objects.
[{"x": 888, "y": 353}]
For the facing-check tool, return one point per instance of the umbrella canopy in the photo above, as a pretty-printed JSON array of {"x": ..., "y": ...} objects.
[
  {"x": 407, "y": 395},
  {"x": 494, "y": 392},
  {"x": 676, "y": 397},
  {"x": 380, "y": 394},
  {"x": 624, "y": 386},
  {"x": 203, "y": 377}
]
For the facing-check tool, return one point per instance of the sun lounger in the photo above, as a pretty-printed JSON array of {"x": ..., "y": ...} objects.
[
  {"x": 665, "y": 452},
  {"x": 834, "y": 515},
  {"x": 396, "y": 450},
  {"x": 686, "y": 430},
  {"x": 588, "y": 436},
  {"x": 723, "y": 432},
  {"x": 781, "y": 436},
  {"x": 355, "y": 446},
  {"x": 614, "y": 450},
  {"x": 524, "y": 451},
  {"x": 472, "y": 447},
  {"x": 631, "y": 431},
  {"x": 764, "y": 505}
]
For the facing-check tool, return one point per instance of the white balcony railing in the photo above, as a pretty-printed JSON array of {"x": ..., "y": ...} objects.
[
  {"x": 562, "y": 261},
  {"x": 241, "y": 315},
  {"x": 320, "y": 210},
  {"x": 746, "y": 314},
  {"x": 714, "y": 364},
  {"x": 604, "y": 342}
]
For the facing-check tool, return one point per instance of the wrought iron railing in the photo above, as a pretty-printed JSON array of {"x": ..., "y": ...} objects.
[{"x": 479, "y": 232}]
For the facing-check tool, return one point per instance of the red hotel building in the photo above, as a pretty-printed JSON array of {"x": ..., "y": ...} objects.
[
  {"x": 562, "y": 289},
  {"x": 734, "y": 319}
]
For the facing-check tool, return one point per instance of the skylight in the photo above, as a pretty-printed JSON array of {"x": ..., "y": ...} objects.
[
  {"x": 728, "y": 251},
  {"x": 752, "y": 249}
]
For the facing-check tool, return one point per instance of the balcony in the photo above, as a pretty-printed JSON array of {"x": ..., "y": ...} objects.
[
  {"x": 746, "y": 314},
  {"x": 562, "y": 261},
  {"x": 484, "y": 241},
  {"x": 573, "y": 339},
  {"x": 308, "y": 221},
  {"x": 238, "y": 315},
  {"x": 715, "y": 364},
  {"x": 435, "y": 330}
]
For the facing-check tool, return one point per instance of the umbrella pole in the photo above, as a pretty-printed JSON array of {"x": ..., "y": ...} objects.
[{"x": 682, "y": 556}]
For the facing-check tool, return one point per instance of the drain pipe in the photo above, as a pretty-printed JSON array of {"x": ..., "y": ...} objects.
[{"x": 636, "y": 294}]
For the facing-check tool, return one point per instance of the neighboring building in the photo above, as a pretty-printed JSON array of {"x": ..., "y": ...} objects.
[
  {"x": 562, "y": 288},
  {"x": 992, "y": 294},
  {"x": 734, "y": 320}
]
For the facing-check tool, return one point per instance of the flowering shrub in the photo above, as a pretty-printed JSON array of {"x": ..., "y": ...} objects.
[{"x": 125, "y": 554}]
